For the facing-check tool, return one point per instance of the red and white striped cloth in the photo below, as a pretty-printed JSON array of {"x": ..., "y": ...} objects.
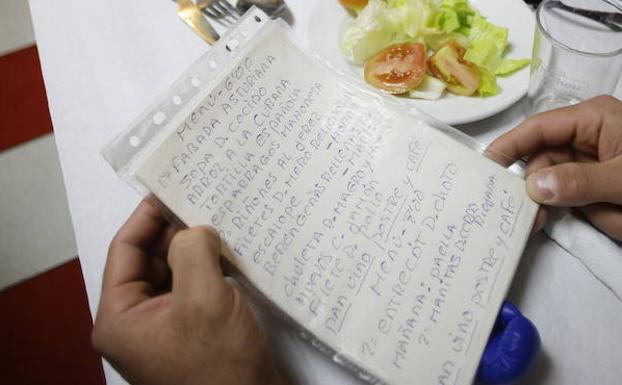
[{"x": 45, "y": 322}]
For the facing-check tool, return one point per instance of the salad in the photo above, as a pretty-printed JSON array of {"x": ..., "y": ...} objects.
[{"x": 420, "y": 48}]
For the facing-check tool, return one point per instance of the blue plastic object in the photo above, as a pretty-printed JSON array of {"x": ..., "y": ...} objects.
[{"x": 512, "y": 348}]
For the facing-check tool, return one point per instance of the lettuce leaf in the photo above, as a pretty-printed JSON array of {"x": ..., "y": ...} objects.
[
  {"x": 482, "y": 29},
  {"x": 437, "y": 41},
  {"x": 382, "y": 23},
  {"x": 488, "y": 42},
  {"x": 486, "y": 50},
  {"x": 509, "y": 66},
  {"x": 488, "y": 83},
  {"x": 414, "y": 16},
  {"x": 368, "y": 34},
  {"x": 454, "y": 15},
  {"x": 447, "y": 20}
]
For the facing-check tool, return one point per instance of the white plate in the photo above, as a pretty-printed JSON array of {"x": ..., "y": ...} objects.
[{"x": 328, "y": 18}]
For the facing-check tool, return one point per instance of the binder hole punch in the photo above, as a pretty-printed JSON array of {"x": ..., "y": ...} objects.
[
  {"x": 177, "y": 100},
  {"x": 134, "y": 141},
  {"x": 158, "y": 118},
  {"x": 232, "y": 45},
  {"x": 212, "y": 64},
  {"x": 195, "y": 81}
]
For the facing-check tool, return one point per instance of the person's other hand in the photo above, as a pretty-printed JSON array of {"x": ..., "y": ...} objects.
[
  {"x": 186, "y": 325},
  {"x": 575, "y": 160}
]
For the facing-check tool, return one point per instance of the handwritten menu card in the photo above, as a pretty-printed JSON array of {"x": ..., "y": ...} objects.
[{"x": 389, "y": 241}]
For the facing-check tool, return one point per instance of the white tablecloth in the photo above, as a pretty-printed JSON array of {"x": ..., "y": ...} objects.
[{"x": 104, "y": 61}]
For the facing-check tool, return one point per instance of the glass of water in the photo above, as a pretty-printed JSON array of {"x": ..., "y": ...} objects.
[{"x": 577, "y": 52}]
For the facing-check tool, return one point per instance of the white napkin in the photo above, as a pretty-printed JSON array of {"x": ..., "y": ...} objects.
[{"x": 600, "y": 255}]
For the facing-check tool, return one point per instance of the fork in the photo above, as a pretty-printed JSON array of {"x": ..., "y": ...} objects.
[
  {"x": 613, "y": 20},
  {"x": 220, "y": 10},
  {"x": 191, "y": 15}
]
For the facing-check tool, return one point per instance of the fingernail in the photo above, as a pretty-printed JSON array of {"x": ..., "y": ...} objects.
[{"x": 542, "y": 186}]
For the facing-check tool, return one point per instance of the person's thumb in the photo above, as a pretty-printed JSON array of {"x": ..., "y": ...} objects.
[
  {"x": 198, "y": 281},
  {"x": 577, "y": 184}
]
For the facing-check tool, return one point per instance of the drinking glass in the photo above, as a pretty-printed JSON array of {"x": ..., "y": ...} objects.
[{"x": 577, "y": 52}]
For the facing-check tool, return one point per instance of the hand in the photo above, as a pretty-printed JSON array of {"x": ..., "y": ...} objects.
[
  {"x": 575, "y": 160},
  {"x": 200, "y": 332}
]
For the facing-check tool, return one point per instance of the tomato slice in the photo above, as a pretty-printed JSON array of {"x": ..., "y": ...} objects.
[
  {"x": 398, "y": 68},
  {"x": 448, "y": 64},
  {"x": 354, "y": 5}
]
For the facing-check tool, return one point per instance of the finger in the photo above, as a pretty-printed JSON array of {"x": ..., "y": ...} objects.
[
  {"x": 606, "y": 217},
  {"x": 163, "y": 240},
  {"x": 159, "y": 274},
  {"x": 549, "y": 157},
  {"x": 579, "y": 125},
  {"x": 540, "y": 220},
  {"x": 577, "y": 184},
  {"x": 194, "y": 259},
  {"x": 125, "y": 281},
  {"x": 142, "y": 227},
  {"x": 127, "y": 261},
  {"x": 496, "y": 152},
  {"x": 583, "y": 157}
]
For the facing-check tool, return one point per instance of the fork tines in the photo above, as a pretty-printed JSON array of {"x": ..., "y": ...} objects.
[{"x": 223, "y": 12}]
